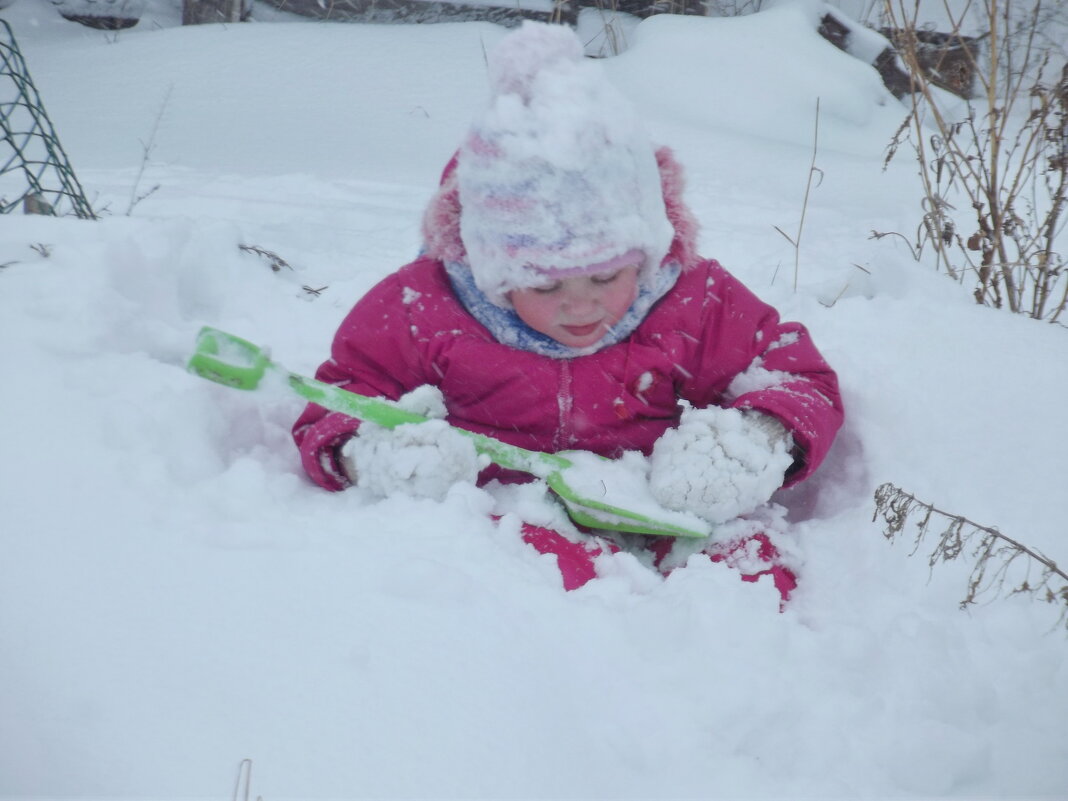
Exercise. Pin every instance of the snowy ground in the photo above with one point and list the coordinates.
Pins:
(175, 596)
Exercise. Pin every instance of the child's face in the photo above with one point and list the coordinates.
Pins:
(578, 310)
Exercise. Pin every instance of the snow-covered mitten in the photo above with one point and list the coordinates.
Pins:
(720, 463)
(420, 460)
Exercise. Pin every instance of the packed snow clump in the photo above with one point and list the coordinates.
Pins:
(417, 460)
(719, 463)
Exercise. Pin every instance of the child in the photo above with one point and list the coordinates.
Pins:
(560, 304)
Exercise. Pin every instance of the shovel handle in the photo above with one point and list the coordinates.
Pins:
(234, 362)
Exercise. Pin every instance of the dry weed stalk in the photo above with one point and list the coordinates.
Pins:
(994, 181)
(993, 553)
(812, 171)
(276, 262)
(146, 152)
(613, 34)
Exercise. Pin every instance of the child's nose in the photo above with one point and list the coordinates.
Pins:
(580, 300)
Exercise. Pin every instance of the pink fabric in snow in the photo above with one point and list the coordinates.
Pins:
(575, 560)
(784, 578)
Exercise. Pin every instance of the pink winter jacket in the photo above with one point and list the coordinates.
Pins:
(708, 341)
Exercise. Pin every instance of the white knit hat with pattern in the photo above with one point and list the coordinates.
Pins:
(558, 177)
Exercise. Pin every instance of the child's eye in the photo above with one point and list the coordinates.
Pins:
(606, 278)
(546, 289)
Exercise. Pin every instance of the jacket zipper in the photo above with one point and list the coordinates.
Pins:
(564, 402)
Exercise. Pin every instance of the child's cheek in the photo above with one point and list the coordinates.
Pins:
(621, 299)
(537, 310)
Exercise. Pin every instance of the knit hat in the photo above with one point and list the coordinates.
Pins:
(557, 177)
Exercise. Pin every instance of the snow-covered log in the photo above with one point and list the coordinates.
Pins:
(946, 59)
(108, 15)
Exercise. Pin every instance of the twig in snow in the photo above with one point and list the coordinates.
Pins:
(146, 151)
(243, 786)
(812, 170)
(880, 234)
(276, 261)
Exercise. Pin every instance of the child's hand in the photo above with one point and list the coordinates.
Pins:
(420, 460)
(720, 463)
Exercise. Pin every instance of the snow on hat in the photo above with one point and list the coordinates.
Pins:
(557, 177)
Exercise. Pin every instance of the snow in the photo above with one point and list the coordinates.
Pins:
(756, 377)
(175, 596)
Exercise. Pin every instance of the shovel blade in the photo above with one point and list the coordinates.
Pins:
(228, 360)
(616, 519)
(611, 494)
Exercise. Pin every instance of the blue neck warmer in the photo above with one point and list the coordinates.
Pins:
(508, 329)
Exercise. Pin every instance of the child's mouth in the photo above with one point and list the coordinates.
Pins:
(582, 330)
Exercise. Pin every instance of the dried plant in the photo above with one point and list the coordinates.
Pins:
(276, 262)
(813, 170)
(994, 175)
(1001, 565)
(146, 152)
(614, 42)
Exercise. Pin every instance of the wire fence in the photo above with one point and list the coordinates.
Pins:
(36, 176)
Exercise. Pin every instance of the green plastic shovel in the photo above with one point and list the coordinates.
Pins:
(597, 492)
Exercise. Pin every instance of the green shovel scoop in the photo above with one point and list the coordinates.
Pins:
(597, 492)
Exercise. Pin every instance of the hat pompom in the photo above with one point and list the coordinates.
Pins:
(530, 52)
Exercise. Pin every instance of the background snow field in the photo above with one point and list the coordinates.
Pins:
(175, 595)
